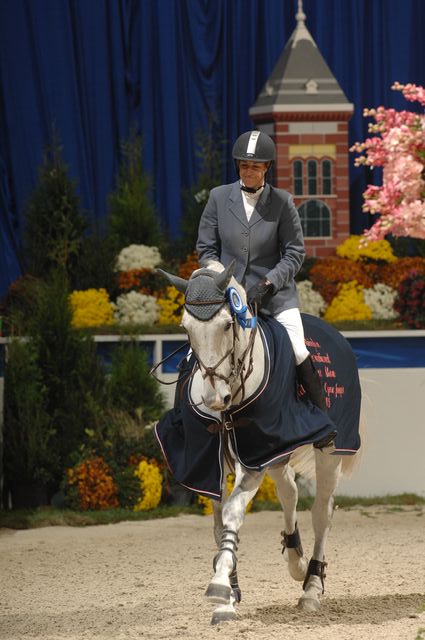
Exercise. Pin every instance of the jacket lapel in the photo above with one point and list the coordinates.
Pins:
(262, 206)
(236, 206)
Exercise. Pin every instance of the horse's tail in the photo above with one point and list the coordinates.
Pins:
(350, 464)
(302, 460)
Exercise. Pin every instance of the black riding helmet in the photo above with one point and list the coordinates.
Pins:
(256, 146)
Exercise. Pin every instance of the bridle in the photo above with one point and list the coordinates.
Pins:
(244, 366)
(241, 368)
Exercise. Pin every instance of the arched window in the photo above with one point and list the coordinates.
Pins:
(315, 219)
(312, 177)
(298, 177)
(326, 177)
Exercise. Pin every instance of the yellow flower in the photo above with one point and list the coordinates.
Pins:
(171, 306)
(267, 491)
(150, 478)
(349, 304)
(356, 249)
(91, 308)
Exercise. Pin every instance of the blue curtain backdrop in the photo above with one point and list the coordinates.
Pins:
(96, 68)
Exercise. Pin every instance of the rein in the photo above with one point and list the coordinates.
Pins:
(170, 355)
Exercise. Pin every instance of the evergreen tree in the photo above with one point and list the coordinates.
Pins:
(54, 223)
(209, 153)
(131, 387)
(132, 216)
(71, 371)
(95, 266)
(29, 454)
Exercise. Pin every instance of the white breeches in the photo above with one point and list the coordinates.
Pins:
(291, 320)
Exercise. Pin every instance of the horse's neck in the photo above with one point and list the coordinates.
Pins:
(253, 364)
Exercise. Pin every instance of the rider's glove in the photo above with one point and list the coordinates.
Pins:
(256, 293)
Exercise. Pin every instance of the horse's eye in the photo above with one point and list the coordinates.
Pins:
(228, 325)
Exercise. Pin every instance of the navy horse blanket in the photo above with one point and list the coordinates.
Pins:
(271, 424)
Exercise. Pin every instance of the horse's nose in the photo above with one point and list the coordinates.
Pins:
(227, 398)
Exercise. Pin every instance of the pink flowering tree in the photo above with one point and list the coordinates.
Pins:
(398, 146)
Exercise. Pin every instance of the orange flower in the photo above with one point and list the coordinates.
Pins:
(188, 267)
(129, 279)
(393, 274)
(95, 484)
(329, 273)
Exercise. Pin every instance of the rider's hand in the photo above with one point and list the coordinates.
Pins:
(256, 293)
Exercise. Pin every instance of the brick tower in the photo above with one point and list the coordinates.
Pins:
(303, 108)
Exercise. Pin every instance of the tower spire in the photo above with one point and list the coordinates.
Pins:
(301, 32)
(300, 17)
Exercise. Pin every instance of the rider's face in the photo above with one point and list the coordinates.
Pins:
(252, 173)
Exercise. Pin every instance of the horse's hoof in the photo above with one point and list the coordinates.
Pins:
(308, 604)
(223, 616)
(218, 593)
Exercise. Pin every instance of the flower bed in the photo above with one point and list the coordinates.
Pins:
(362, 282)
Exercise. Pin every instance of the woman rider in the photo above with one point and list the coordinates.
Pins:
(258, 226)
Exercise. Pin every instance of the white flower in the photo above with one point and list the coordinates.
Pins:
(201, 196)
(311, 301)
(138, 256)
(380, 299)
(136, 308)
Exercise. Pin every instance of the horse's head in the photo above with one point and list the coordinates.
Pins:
(211, 328)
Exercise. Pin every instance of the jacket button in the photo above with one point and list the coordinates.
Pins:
(246, 233)
(244, 249)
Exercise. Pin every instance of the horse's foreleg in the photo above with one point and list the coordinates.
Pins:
(222, 585)
(218, 520)
(287, 492)
(224, 612)
(328, 469)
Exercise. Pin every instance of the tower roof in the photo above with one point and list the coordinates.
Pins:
(301, 80)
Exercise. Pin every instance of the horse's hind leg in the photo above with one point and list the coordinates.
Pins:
(328, 469)
(221, 589)
(287, 492)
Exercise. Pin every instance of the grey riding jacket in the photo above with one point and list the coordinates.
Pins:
(270, 245)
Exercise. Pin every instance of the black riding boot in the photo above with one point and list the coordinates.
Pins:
(309, 378)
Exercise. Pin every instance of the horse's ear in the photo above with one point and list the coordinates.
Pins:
(179, 283)
(222, 279)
